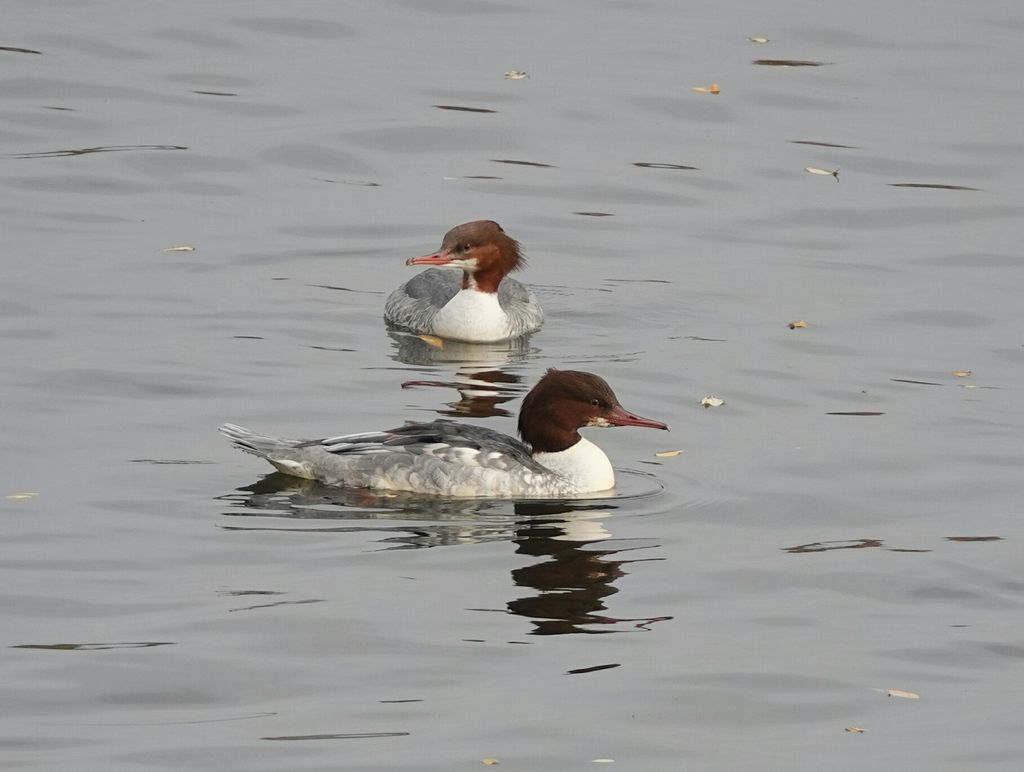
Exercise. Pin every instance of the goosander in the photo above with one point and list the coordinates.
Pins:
(454, 459)
(483, 304)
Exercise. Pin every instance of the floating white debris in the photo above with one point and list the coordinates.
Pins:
(516, 75)
(712, 402)
(824, 172)
(182, 248)
(899, 693)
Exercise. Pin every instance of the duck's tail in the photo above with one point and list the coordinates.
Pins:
(251, 442)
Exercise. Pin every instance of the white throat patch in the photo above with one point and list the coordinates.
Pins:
(584, 464)
(472, 316)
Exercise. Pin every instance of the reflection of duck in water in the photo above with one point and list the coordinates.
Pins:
(453, 459)
(480, 305)
(414, 349)
(573, 584)
(480, 393)
(480, 380)
(567, 588)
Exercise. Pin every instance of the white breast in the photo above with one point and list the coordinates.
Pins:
(584, 464)
(472, 316)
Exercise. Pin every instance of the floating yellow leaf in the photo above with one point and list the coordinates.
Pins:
(855, 730)
(798, 324)
(758, 40)
(21, 495)
(825, 172)
(602, 761)
(712, 402)
(899, 693)
(432, 340)
(490, 762)
(516, 75)
(962, 373)
(182, 248)
(668, 453)
(711, 89)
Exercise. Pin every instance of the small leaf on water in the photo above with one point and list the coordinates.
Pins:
(855, 730)
(516, 75)
(824, 172)
(899, 693)
(602, 761)
(668, 453)
(182, 248)
(710, 89)
(432, 340)
(490, 762)
(20, 495)
(712, 402)
(962, 373)
(758, 40)
(798, 324)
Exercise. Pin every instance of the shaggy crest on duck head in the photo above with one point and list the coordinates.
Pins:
(483, 251)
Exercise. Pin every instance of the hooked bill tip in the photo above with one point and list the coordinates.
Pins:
(438, 258)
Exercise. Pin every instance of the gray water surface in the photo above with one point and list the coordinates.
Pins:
(847, 523)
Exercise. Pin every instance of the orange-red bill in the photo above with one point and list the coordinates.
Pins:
(622, 417)
(438, 258)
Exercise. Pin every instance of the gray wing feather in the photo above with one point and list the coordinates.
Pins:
(419, 437)
(510, 292)
(524, 312)
(413, 305)
(434, 285)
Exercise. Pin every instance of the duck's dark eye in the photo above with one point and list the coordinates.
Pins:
(466, 247)
(595, 402)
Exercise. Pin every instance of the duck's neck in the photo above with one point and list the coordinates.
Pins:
(483, 279)
(583, 463)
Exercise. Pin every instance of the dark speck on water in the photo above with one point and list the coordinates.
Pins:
(788, 63)
(521, 163)
(653, 165)
(88, 150)
(464, 109)
(821, 144)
